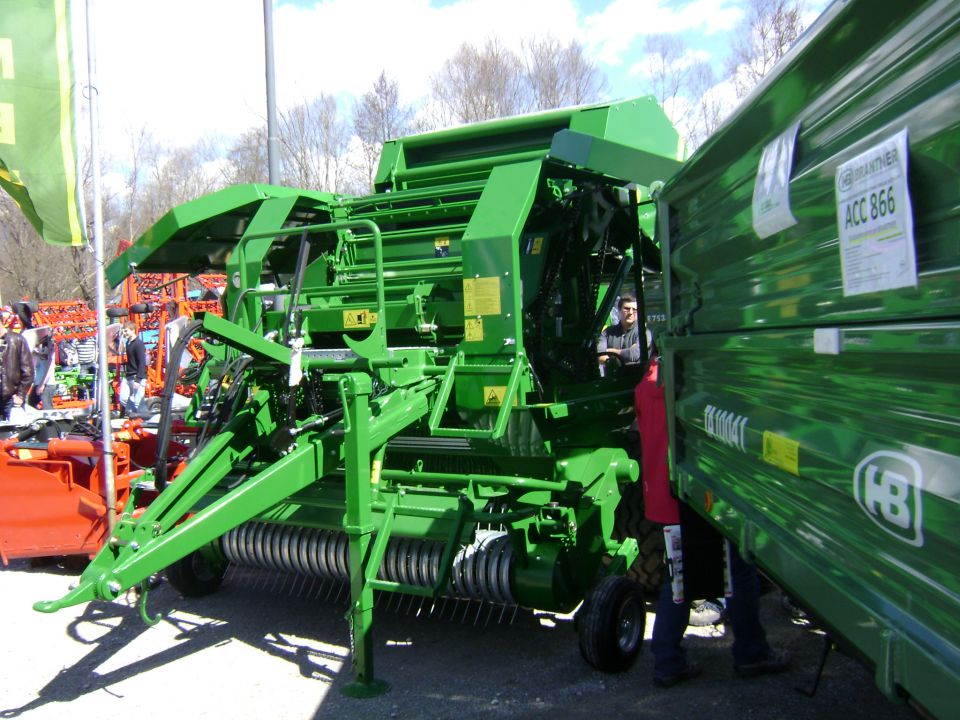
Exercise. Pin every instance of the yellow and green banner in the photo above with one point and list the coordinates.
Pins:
(38, 161)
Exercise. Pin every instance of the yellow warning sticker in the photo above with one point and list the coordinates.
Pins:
(493, 395)
(353, 319)
(537, 246)
(473, 329)
(782, 452)
(375, 467)
(481, 296)
(441, 242)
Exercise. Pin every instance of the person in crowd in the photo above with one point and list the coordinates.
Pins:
(44, 367)
(752, 655)
(622, 340)
(133, 385)
(69, 357)
(16, 368)
(87, 356)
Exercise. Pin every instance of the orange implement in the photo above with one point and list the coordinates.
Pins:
(52, 498)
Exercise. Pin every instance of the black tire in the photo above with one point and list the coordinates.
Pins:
(152, 405)
(195, 576)
(611, 624)
(142, 308)
(647, 570)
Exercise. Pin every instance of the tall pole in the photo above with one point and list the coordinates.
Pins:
(103, 388)
(273, 161)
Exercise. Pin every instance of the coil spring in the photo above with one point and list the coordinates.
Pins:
(481, 570)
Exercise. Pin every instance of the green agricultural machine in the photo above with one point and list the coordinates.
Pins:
(404, 391)
(812, 277)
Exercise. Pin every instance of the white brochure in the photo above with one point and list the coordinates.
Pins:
(771, 192)
(875, 219)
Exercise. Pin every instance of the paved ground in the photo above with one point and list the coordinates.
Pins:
(266, 647)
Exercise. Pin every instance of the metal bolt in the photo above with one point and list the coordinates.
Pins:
(114, 587)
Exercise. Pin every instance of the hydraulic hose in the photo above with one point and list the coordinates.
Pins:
(166, 401)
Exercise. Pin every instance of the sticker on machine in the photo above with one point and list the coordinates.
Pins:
(875, 219)
(493, 395)
(473, 329)
(356, 319)
(771, 191)
(481, 296)
(782, 452)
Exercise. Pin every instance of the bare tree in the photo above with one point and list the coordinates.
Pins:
(558, 75)
(246, 160)
(314, 141)
(35, 270)
(669, 72)
(379, 116)
(479, 84)
(768, 30)
(708, 109)
(158, 180)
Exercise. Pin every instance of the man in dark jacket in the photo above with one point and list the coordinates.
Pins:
(622, 340)
(134, 382)
(16, 367)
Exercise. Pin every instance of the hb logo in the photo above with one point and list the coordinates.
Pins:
(887, 486)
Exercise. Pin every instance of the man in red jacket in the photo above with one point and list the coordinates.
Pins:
(752, 655)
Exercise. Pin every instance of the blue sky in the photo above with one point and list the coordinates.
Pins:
(185, 69)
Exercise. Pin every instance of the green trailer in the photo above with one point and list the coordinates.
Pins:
(812, 279)
(404, 392)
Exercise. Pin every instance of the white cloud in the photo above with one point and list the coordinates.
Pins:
(689, 58)
(192, 68)
(188, 69)
(612, 31)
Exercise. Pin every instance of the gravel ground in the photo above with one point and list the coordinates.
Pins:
(265, 645)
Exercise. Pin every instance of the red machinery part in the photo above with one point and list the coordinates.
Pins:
(52, 499)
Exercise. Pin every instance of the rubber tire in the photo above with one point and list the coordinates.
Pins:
(606, 642)
(152, 405)
(195, 576)
(647, 570)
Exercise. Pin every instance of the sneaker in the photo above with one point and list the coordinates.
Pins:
(704, 613)
(776, 662)
(689, 671)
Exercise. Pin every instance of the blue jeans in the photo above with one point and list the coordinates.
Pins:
(743, 609)
(131, 395)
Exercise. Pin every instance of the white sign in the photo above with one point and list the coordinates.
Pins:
(875, 220)
(771, 192)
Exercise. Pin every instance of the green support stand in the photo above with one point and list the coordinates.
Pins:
(356, 388)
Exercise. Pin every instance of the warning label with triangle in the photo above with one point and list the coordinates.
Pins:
(493, 395)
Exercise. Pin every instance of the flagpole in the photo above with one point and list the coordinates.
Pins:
(273, 154)
(103, 399)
